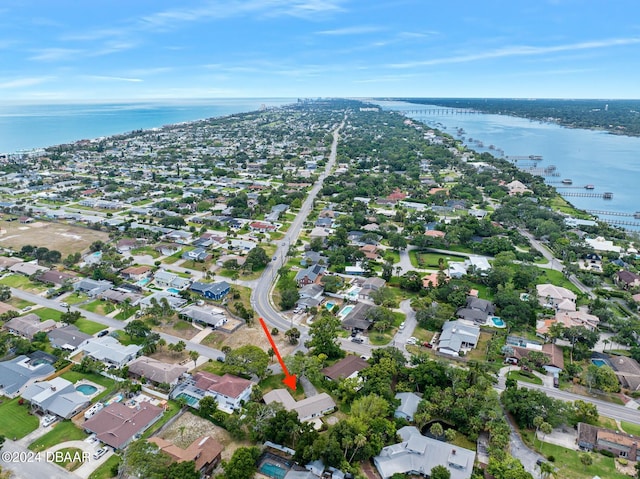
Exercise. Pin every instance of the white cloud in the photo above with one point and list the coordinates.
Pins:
(55, 54)
(112, 78)
(354, 30)
(22, 82)
(520, 50)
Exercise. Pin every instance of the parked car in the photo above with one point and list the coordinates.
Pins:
(103, 333)
(100, 452)
(412, 340)
(357, 340)
(64, 305)
(401, 325)
(427, 344)
(48, 420)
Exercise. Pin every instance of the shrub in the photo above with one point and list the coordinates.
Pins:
(623, 461)
(551, 458)
(606, 453)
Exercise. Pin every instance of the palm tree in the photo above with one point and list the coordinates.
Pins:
(194, 357)
(546, 470)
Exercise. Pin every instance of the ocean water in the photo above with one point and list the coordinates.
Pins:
(609, 162)
(24, 127)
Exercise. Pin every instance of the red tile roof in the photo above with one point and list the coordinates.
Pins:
(227, 385)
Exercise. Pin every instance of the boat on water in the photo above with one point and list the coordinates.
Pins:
(589, 187)
(567, 181)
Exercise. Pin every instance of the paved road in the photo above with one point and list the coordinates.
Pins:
(261, 294)
(114, 323)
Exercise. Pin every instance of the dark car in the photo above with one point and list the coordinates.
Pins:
(220, 359)
(103, 333)
(357, 340)
(539, 462)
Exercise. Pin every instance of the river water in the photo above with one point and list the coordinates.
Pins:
(609, 162)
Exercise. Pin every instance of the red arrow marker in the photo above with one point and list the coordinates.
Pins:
(289, 379)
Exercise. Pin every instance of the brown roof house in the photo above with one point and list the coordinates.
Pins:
(349, 367)
(55, 277)
(156, 371)
(592, 438)
(29, 325)
(231, 392)
(205, 451)
(117, 424)
(627, 279)
(627, 370)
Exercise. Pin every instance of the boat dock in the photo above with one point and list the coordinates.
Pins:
(635, 215)
(605, 196)
(623, 223)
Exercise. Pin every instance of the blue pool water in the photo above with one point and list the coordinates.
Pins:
(191, 401)
(143, 281)
(599, 362)
(173, 290)
(329, 306)
(346, 310)
(497, 322)
(86, 389)
(273, 470)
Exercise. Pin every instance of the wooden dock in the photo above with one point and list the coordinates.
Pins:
(622, 223)
(605, 196)
(635, 215)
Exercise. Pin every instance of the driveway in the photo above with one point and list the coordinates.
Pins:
(90, 465)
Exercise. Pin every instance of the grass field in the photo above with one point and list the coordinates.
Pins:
(22, 282)
(55, 236)
(99, 307)
(89, 327)
(556, 278)
(518, 376)
(60, 432)
(48, 313)
(104, 471)
(432, 260)
(630, 428)
(19, 303)
(16, 420)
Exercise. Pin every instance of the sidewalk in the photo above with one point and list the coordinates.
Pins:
(201, 335)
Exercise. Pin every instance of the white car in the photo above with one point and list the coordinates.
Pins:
(401, 325)
(100, 452)
(48, 420)
(412, 340)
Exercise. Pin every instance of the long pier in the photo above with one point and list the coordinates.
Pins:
(542, 171)
(443, 111)
(523, 158)
(610, 221)
(636, 215)
(605, 196)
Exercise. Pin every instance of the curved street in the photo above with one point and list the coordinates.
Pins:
(261, 294)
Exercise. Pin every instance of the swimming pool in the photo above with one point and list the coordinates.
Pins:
(144, 281)
(173, 291)
(345, 311)
(273, 470)
(329, 306)
(117, 398)
(86, 389)
(599, 362)
(497, 322)
(353, 292)
(191, 401)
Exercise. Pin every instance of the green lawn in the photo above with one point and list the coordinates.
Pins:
(518, 376)
(380, 338)
(16, 281)
(75, 298)
(630, 428)
(19, 303)
(123, 315)
(556, 278)
(104, 471)
(125, 339)
(48, 313)
(569, 466)
(146, 250)
(16, 420)
(109, 384)
(89, 327)
(172, 409)
(432, 260)
(275, 382)
(99, 307)
(60, 432)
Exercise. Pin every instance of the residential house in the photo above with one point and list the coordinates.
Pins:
(307, 409)
(594, 438)
(457, 337)
(27, 269)
(476, 310)
(156, 371)
(627, 279)
(211, 316)
(479, 264)
(167, 249)
(556, 297)
(68, 337)
(517, 188)
(29, 325)
(21, 371)
(456, 270)
(241, 245)
(346, 368)
(205, 451)
(320, 233)
(554, 362)
(166, 279)
(312, 274)
(262, 227)
(55, 277)
(93, 258)
(179, 236)
(5, 308)
(628, 372)
(313, 257)
(417, 455)
(371, 285)
(120, 295)
(58, 397)
(370, 251)
(230, 392)
(408, 405)
(125, 245)
(136, 273)
(117, 424)
(198, 254)
(91, 287)
(324, 223)
(109, 350)
(356, 319)
(7, 262)
(175, 302)
(215, 291)
(601, 244)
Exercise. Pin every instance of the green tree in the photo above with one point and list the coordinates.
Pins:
(293, 335)
(137, 329)
(70, 317)
(586, 459)
(247, 360)
(243, 463)
(5, 293)
(436, 430)
(324, 334)
(440, 472)
(207, 406)
(288, 298)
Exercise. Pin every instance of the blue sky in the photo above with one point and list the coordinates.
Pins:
(76, 50)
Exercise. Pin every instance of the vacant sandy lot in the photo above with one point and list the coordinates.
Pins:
(248, 335)
(190, 427)
(56, 236)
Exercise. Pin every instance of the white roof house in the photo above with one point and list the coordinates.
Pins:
(57, 396)
(480, 263)
(418, 455)
(457, 336)
(308, 409)
(557, 297)
(110, 350)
